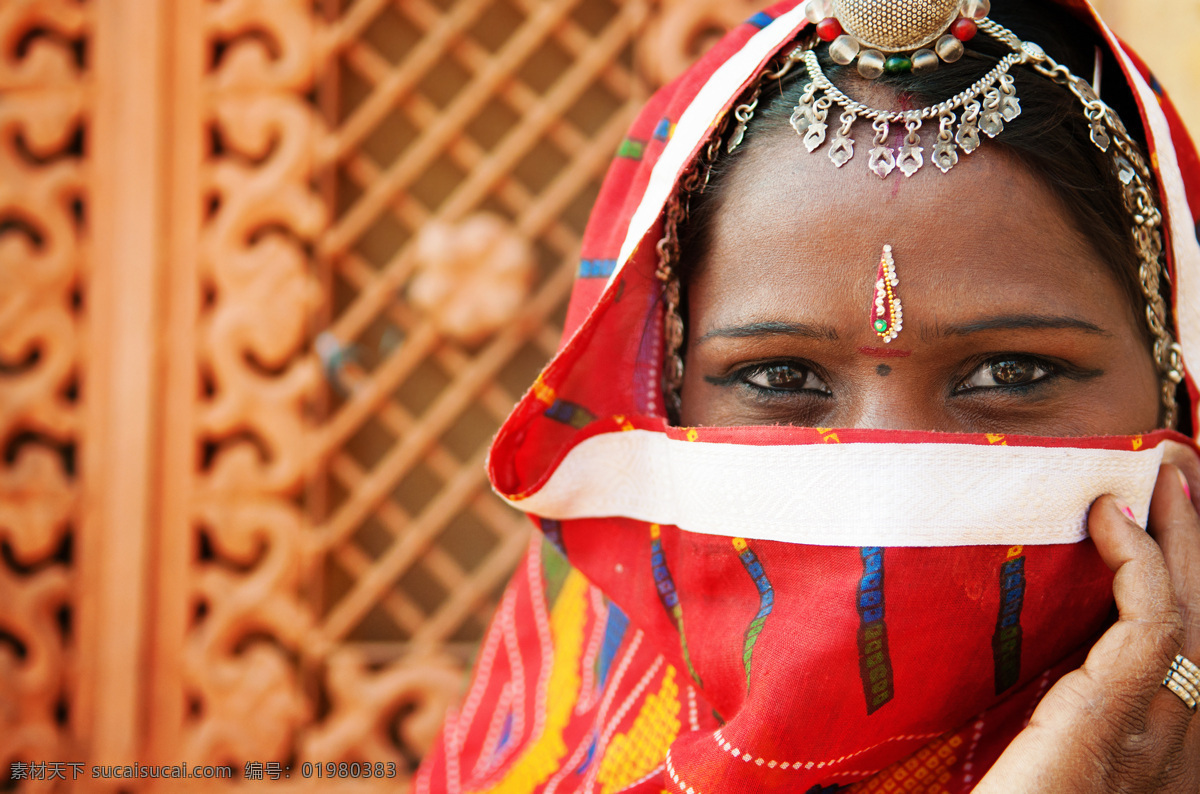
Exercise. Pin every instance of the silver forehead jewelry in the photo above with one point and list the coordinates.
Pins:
(898, 36)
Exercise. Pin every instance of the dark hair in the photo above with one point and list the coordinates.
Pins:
(1051, 137)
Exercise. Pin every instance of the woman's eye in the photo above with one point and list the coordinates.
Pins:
(1001, 372)
(784, 377)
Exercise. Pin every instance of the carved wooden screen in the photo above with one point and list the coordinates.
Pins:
(373, 174)
(439, 113)
(344, 550)
(43, 203)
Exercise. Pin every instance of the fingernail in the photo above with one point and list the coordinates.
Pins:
(1125, 509)
(1187, 491)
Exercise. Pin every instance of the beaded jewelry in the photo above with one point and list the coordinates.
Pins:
(887, 316)
(863, 31)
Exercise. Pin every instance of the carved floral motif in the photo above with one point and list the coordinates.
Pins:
(472, 277)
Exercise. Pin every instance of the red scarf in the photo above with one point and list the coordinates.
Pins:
(719, 609)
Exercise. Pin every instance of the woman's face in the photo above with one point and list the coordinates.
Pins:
(1011, 322)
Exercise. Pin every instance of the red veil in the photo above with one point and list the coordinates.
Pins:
(728, 609)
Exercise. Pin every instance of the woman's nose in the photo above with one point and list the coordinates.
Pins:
(896, 402)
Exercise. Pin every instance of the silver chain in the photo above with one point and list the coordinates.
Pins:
(1137, 180)
(900, 116)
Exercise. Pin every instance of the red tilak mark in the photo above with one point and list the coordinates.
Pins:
(884, 352)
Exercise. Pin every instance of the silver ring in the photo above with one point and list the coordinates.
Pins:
(1183, 678)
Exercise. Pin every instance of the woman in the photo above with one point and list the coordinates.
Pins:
(843, 455)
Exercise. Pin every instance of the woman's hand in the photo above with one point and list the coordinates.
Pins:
(1111, 726)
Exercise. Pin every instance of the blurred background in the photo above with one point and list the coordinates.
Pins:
(272, 272)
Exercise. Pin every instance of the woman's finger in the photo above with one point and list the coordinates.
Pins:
(1134, 654)
(1175, 524)
(1186, 460)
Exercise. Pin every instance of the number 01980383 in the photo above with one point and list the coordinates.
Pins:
(348, 769)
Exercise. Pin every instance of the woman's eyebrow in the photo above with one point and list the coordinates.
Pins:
(771, 329)
(1017, 322)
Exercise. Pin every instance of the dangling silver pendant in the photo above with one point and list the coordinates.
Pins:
(968, 133)
(803, 115)
(815, 135)
(882, 162)
(842, 149)
(1100, 136)
(801, 119)
(1124, 170)
(735, 140)
(945, 153)
(1010, 105)
(992, 123)
(911, 158)
(843, 145)
(967, 137)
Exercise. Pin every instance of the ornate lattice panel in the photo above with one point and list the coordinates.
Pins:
(467, 142)
(43, 201)
(393, 195)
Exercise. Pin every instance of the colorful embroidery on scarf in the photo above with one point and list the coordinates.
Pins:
(874, 660)
(631, 149)
(614, 634)
(1006, 642)
(508, 719)
(552, 529)
(639, 751)
(591, 754)
(766, 600)
(591, 688)
(555, 570)
(496, 746)
(570, 414)
(664, 130)
(926, 771)
(760, 20)
(544, 755)
(597, 268)
(668, 595)
(634, 697)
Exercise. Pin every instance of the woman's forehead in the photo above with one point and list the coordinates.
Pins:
(791, 226)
